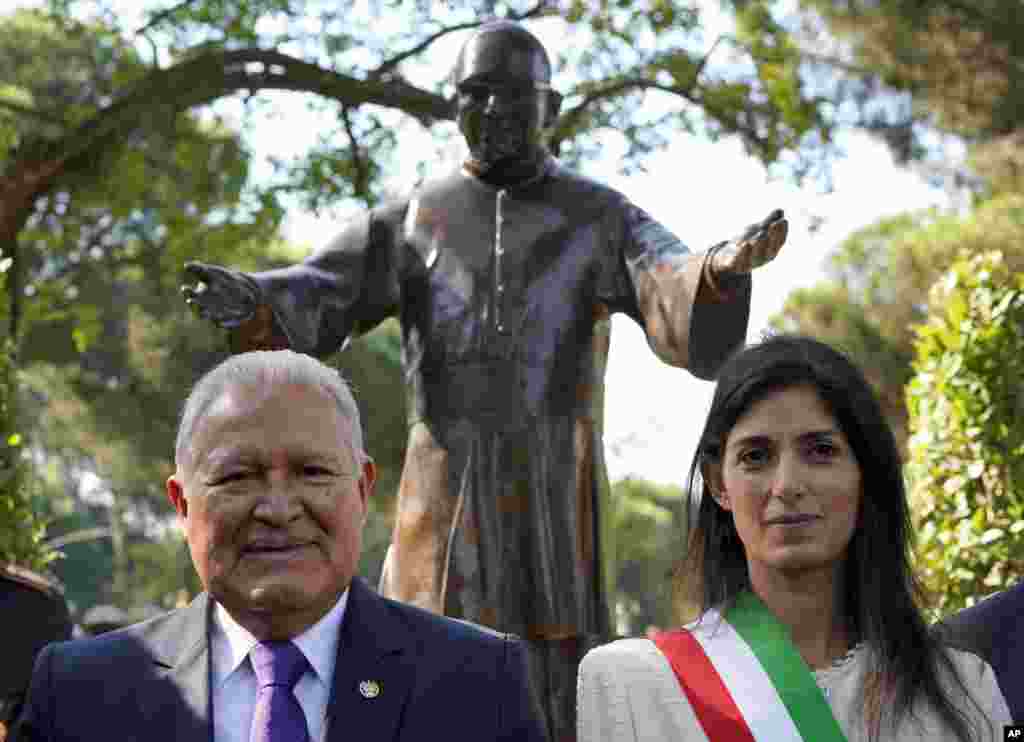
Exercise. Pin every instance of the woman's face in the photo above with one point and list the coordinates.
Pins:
(790, 479)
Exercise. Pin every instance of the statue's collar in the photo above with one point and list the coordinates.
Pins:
(547, 166)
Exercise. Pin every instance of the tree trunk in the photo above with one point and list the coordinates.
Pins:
(119, 584)
(18, 193)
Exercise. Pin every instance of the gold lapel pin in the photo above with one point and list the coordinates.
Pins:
(369, 689)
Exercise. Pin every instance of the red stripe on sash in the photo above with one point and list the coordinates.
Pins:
(708, 696)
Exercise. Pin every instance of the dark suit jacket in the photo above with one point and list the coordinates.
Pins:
(439, 678)
(994, 629)
(34, 614)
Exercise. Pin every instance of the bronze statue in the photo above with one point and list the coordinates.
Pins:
(503, 274)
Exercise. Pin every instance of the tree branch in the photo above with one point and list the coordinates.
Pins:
(362, 181)
(622, 86)
(836, 63)
(704, 60)
(162, 16)
(205, 77)
(388, 65)
(215, 73)
(538, 9)
(32, 113)
(989, 23)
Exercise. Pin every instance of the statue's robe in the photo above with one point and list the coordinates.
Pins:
(504, 298)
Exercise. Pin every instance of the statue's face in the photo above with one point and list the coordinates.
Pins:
(503, 98)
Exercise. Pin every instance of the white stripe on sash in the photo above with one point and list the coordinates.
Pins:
(748, 683)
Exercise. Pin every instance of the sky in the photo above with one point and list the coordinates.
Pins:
(704, 192)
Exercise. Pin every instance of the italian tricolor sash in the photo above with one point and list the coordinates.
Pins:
(745, 680)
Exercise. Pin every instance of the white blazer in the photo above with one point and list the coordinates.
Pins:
(628, 692)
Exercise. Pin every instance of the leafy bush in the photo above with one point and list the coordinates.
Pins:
(649, 538)
(22, 529)
(966, 404)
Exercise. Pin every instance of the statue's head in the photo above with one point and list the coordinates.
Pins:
(504, 99)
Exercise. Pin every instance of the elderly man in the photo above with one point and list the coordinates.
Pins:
(271, 488)
(503, 274)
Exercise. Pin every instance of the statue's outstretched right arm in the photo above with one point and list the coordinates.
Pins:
(312, 307)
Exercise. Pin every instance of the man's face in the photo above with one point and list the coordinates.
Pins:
(273, 504)
(503, 103)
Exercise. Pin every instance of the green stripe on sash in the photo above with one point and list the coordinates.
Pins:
(792, 678)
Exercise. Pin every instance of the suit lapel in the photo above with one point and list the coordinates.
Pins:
(176, 697)
(373, 675)
(374, 670)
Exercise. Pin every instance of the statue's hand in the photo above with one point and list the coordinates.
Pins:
(221, 295)
(759, 244)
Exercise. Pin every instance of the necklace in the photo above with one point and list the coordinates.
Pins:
(823, 676)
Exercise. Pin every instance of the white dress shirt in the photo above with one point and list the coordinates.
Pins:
(234, 682)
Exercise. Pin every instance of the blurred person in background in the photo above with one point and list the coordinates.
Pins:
(33, 613)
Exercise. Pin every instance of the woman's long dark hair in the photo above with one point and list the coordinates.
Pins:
(882, 593)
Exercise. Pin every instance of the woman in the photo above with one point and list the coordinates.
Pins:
(799, 563)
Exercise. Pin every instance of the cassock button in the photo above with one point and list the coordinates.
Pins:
(369, 689)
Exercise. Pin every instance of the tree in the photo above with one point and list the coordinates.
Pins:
(918, 69)
(94, 273)
(22, 527)
(108, 350)
(649, 526)
(957, 58)
(858, 311)
(953, 64)
(878, 284)
(967, 452)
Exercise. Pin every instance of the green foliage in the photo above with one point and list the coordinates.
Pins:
(372, 366)
(162, 572)
(750, 81)
(957, 59)
(878, 283)
(109, 350)
(952, 64)
(22, 527)
(832, 313)
(966, 402)
(649, 536)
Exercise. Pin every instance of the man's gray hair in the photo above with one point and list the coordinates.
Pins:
(261, 367)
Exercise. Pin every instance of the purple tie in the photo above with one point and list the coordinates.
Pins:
(278, 716)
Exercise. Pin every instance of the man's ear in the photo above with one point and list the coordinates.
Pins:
(176, 494)
(368, 480)
(553, 109)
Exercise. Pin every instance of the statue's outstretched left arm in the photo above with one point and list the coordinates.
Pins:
(694, 307)
(757, 246)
